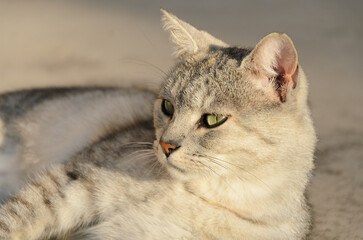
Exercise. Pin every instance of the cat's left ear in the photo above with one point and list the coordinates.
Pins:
(274, 64)
(188, 40)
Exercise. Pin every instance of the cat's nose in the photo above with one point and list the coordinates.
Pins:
(167, 148)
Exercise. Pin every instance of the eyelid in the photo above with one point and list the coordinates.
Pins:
(167, 99)
(214, 113)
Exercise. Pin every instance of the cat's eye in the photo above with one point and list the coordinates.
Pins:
(167, 108)
(213, 120)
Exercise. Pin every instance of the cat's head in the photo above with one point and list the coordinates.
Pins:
(228, 110)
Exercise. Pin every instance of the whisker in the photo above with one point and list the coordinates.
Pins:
(145, 63)
(205, 165)
(218, 162)
(137, 144)
(138, 154)
(220, 176)
(152, 167)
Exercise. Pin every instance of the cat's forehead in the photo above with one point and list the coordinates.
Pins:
(212, 82)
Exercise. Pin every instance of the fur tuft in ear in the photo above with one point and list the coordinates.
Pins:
(188, 40)
(274, 58)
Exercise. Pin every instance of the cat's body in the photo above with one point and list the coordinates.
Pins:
(228, 157)
(44, 127)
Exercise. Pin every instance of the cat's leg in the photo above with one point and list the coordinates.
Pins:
(54, 204)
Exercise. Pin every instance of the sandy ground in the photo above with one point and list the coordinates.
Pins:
(62, 43)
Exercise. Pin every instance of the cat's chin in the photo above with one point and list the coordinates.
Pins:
(179, 173)
(174, 170)
(173, 166)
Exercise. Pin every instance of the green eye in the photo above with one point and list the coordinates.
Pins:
(167, 108)
(212, 120)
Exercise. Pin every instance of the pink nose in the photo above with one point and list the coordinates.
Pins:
(167, 148)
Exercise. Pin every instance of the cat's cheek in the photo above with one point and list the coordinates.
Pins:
(159, 119)
(158, 133)
(160, 126)
(159, 152)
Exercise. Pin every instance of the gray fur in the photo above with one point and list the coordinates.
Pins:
(43, 127)
(244, 179)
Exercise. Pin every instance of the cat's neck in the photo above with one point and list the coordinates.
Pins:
(246, 199)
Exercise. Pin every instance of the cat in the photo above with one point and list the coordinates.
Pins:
(227, 155)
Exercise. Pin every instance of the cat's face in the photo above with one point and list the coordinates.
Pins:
(224, 111)
(208, 110)
(196, 114)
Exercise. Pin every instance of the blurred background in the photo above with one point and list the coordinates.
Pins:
(121, 43)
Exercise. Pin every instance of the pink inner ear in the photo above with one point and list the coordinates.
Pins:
(275, 58)
(287, 64)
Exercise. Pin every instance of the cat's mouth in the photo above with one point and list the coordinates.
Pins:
(174, 166)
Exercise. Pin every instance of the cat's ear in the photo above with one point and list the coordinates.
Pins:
(274, 64)
(188, 40)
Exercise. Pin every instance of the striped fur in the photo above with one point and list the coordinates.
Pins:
(47, 126)
(244, 179)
